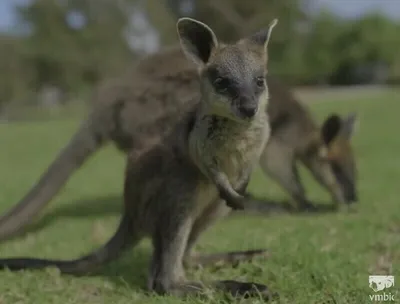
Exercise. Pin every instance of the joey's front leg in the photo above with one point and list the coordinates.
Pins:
(232, 198)
(244, 181)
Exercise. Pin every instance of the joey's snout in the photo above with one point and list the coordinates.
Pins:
(248, 110)
(247, 107)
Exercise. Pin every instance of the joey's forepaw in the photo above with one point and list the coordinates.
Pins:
(248, 289)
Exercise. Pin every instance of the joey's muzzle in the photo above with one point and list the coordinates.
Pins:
(247, 107)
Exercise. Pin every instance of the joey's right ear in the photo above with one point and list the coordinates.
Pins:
(197, 40)
(262, 37)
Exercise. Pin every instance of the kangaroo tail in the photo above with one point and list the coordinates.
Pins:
(83, 144)
(122, 239)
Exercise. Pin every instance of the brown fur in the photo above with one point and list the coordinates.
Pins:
(135, 109)
(170, 190)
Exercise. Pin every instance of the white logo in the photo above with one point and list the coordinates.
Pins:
(380, 282)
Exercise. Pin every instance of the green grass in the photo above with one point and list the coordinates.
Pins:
(314, 258)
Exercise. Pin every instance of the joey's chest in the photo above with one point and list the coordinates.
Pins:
(229, 147)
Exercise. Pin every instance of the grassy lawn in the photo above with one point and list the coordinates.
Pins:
(314, 258)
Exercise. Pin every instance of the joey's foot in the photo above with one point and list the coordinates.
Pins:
(247, 289)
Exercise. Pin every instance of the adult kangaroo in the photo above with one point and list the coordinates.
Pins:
(134, 110)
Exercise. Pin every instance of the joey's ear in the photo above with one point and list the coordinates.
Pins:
(330, 128)
(197, 40)
(349, 124)
(262, 37)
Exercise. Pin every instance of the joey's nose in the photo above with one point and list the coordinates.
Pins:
(248, 110)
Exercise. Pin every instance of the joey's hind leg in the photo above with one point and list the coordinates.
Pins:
(167, 277)
(169, 242)
(212, 213)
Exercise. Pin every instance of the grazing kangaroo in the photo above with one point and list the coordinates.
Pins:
(136, 109)
(172, 189)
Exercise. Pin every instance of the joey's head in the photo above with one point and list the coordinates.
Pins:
(336, 133)
(232, 76)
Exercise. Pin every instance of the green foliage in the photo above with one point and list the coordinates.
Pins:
(319, 56)
(73, 44)
(69, 55)
(372, 39)
(15, 73)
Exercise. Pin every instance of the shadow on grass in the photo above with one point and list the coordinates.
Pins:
(86, 208)
(112, 205)
(263, 206)
(131, 269)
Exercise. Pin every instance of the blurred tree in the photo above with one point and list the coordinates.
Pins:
(15, 74)
(235, 18)
(162, 15)
(74, 43)
(368, 45)
(69, 45)
(320, 57)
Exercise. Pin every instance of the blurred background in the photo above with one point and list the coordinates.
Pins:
(52, 52)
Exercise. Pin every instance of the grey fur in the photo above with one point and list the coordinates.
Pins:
(170, 189)
(136, 109)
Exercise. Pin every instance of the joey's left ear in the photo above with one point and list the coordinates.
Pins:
(262, 37)
(349, 125)
(197, 40)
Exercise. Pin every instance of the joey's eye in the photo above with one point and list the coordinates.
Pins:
(221, 84)
(260, 81)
